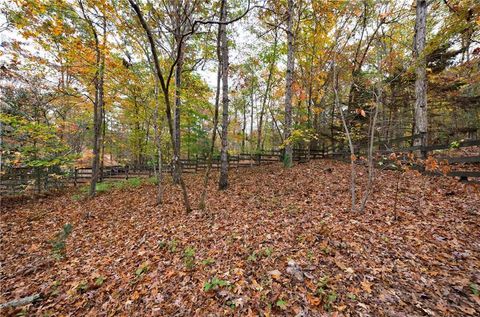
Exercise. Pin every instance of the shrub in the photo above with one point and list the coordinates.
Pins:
(59, 243)
(189, 258)
(215, 283)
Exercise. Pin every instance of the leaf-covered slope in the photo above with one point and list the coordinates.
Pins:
(277, 242)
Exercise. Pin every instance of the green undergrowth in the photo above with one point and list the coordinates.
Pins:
(108, 186)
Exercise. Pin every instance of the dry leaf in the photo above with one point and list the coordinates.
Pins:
(366, 286)
(275, 274)
(313, 300)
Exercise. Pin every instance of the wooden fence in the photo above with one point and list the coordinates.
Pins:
(194, 165)
(36, 179)
(386, 148)
(20, 180)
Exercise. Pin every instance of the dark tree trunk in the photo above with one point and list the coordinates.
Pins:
(215, 125)
(178, 86)
(267, 91)
(421, 122)
(244, 126)
(288, 87)
(164, 87)
(223, 182)
(98, 104)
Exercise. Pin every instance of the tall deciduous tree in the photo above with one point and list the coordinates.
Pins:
(215, 121)
(223, 181)
(100, 42)
(164, 85)
(288, 85)
(266, 94)
(180, 14)
(421, 119)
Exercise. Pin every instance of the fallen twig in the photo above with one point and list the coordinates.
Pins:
(21, 301)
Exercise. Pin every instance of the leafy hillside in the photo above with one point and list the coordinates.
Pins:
(276, 243)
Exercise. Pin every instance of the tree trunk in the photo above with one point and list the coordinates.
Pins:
(252, 102)
(158, 142)
(244, 126)
(371, 131)
(215, 124)
(287, 160)
(421, 122)
(223, 182)
(102, 149)
(347, 133)
(178, 87)
(97, 129)
(166, 97)
(98, 101)
(267, 92)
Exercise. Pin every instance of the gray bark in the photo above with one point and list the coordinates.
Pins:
(347, 133)
(178, 102)
(371, 135)
(421, 123)
(288, 87)
(252, 103)
(166, 97)
(223, 182)
(158, 144)
(267, 91)
(215, 125)
(244, 126)
(22, 301)
(98, 100)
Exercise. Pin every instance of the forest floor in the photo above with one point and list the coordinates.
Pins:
(277, 243)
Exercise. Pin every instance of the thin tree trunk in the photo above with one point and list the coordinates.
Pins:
(223, 182)
(351, 94)
(98, 115)
(287, 161)
(164, 87)
(252, 102)
(102, 152)
(244, 126)
(267, 91)
(421, 123)
(98, 100)
(347, 132)
(178, 87)
(373, 122)
(215, 124)
(158, 143)
(372, 125)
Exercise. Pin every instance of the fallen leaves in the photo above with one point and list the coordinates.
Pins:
(313, 300)
(366, 286)
(275, 274)
(307, 254)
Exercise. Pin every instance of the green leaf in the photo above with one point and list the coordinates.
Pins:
(281, 304)
(99, 280)
(475, 289)
(207, 286)
(141, 269)
(207, 261)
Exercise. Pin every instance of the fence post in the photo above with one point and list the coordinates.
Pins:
(126, 171)
(75, 175)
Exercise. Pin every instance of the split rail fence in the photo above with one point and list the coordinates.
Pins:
(20, 180)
